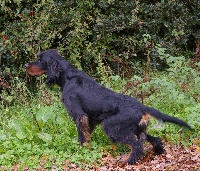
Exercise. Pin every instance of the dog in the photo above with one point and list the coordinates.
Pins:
(123, 118)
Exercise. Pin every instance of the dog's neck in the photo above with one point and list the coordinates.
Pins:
(68, 72)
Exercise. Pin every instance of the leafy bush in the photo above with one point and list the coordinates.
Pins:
(123, 33)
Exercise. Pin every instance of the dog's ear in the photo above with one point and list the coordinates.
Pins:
(53, 71)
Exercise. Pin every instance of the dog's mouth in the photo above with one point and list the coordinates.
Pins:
(34, 70)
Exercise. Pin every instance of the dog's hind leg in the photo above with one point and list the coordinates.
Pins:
(121, 129)
(136, 151)
(157, 144)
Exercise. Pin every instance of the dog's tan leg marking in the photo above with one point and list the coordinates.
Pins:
(123, 160)
(85, 129)
(145, 119)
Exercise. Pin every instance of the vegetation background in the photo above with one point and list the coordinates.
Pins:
(147, 49)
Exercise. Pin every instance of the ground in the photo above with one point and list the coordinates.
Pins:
(175, 158)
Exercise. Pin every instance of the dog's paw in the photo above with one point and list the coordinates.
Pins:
(85, 144)
(126, 161)
(159, 150)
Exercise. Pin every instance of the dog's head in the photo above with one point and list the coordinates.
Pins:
(49, 62)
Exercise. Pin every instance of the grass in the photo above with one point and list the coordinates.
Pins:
(36, 132)
(33, 132)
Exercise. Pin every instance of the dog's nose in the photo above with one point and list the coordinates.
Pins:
(26, 65)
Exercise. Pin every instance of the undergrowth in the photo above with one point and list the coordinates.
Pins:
(39, 128)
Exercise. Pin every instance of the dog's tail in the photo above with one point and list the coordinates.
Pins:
(165, 118)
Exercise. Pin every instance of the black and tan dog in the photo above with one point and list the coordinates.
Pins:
(123, 118)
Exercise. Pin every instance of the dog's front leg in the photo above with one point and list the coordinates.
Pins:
(82, 124)
(79, 116)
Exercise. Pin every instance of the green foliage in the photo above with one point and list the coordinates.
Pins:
(123, 33)
(35, 132)
(178, 93)
(16, 91)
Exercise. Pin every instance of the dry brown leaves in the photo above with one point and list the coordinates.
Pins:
(176, 158)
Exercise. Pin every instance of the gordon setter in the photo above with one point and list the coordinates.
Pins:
(123, 118)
